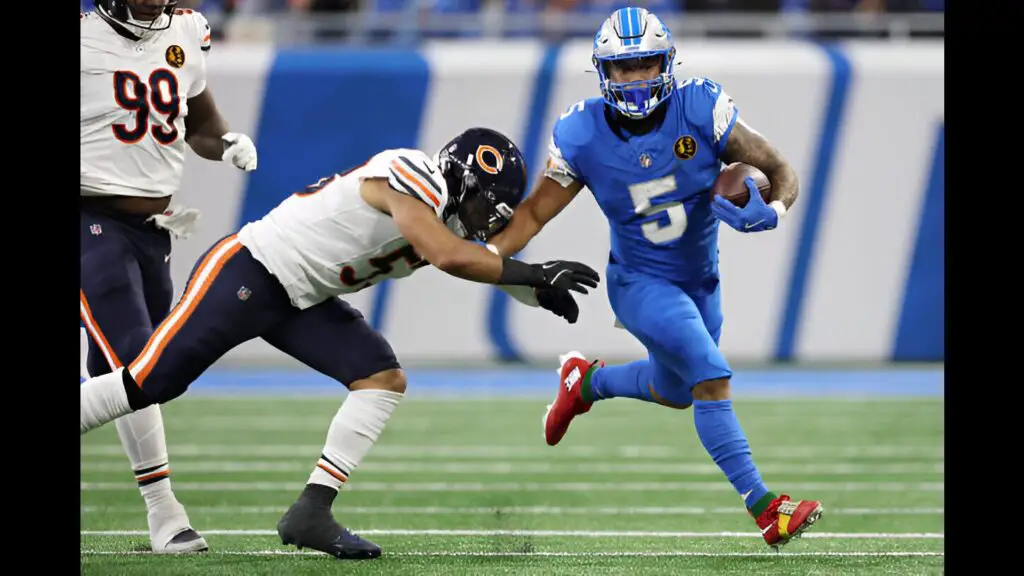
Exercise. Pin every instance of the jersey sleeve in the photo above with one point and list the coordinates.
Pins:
(202, 30)
(413, 173)
(560, 166)
(710, 109)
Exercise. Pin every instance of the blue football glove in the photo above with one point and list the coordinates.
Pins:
(754, 217)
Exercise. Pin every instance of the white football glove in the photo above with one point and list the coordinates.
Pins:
(240, 150)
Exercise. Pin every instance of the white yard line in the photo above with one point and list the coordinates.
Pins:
(425, 451)
(596, 487)
(90, 552)
(524, 510)
(560, 533)
(534, 467)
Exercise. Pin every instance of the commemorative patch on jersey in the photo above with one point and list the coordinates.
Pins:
(175, 56)
(685, 147)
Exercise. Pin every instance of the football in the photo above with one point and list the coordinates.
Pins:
(729, 184)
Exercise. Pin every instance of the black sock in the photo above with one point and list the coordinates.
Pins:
(137, 399)
(319, 495)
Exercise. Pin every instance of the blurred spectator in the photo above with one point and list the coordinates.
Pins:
(404, 21)
(878, 6)
(732, 5)
(331, 32)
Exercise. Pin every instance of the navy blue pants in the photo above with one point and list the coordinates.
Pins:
(230, 299)
(125, 284)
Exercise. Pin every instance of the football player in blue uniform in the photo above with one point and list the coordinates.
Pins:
(649, 150)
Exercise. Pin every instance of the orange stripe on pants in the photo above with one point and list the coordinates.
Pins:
(94, 330)
(200, 282)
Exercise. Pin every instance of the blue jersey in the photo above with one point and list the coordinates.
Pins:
(652, 188)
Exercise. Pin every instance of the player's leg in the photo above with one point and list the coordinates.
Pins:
(142, 432)
(230, 299)
(639, 302)
(334, 339)
(114, 310)
(718, 427)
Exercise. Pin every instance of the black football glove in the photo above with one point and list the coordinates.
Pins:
(560, 302)
(568, 275)
(554, 274)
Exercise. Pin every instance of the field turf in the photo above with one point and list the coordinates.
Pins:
(467, 486)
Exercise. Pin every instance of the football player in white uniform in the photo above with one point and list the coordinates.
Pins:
(143, 98)
(279, 279)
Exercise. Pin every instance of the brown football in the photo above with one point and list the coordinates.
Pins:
(729, 184)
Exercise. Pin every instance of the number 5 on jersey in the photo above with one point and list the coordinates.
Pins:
(160, 93)
(658, 231)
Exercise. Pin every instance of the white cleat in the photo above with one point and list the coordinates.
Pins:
(171, 533)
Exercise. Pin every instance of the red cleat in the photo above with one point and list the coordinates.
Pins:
(785, 519)
(568, 403)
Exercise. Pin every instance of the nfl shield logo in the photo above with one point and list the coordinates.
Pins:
(243, 293)
(645, 160)
(96, 229)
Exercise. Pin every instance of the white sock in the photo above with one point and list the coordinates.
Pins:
(83, 354)
(103, 399)
(354, 430)
(142, 435)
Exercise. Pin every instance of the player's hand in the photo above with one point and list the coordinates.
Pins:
(558, 301)
(567, 275)
(754, 217)
(240, 150)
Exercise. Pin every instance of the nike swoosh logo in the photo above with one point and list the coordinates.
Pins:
(749, 226)
(167, 258)
(766, 529)
(546, 266)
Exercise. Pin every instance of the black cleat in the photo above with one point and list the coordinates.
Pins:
(307, 525)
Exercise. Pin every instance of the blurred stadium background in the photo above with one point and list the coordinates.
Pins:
(834, 321)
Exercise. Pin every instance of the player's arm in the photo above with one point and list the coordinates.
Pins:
(419, 224)
(204, 126)
(748, 146)
(555, 190)
(547, 200)
(206, 131)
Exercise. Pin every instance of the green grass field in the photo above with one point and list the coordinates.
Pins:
(469, 487)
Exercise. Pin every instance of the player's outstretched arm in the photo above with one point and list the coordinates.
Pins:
(748, 146)
(548, 199)
(419, 224)
(206, 132)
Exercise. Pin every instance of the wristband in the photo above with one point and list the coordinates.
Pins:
(514, 272)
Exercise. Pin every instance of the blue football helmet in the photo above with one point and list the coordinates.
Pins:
(629, 39)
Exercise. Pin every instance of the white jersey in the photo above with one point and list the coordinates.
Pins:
(327, 241)
(134, 102)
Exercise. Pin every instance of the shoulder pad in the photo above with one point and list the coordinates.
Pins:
(200, 23)
(415, 174)
(707, 105)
